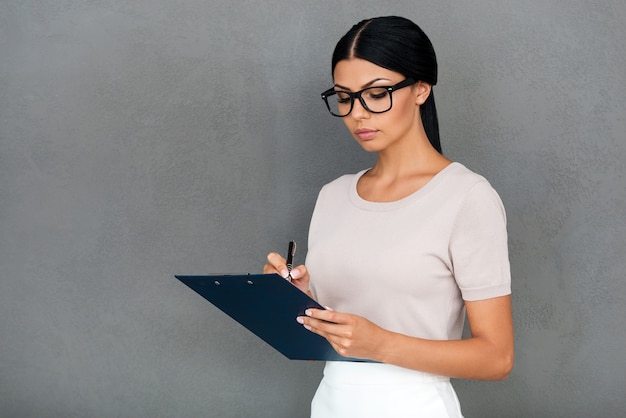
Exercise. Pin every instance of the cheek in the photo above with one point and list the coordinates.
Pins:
(402, 114)
(349, 122)
(406, 107)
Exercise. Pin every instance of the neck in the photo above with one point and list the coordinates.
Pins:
(408, 158)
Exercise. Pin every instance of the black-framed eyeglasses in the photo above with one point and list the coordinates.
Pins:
(374, 99)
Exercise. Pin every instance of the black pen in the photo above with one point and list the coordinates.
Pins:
(290, 253)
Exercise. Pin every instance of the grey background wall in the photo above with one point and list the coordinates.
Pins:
(139, 139)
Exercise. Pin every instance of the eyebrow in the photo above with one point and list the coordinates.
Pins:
(366, 85)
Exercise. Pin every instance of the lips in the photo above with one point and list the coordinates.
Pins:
(365, 134)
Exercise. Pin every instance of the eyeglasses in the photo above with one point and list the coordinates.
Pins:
(374, 99)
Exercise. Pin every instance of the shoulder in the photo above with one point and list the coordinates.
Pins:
(465, 183)
(462, 178)
(467, 193)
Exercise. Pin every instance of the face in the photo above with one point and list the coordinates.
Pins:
(380, 131)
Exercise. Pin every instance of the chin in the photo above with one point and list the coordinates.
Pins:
(369, 146)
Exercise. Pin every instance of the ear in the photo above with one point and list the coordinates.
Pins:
(422, 91)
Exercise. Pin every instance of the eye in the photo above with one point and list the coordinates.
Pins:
(343, 97)
(377, 93)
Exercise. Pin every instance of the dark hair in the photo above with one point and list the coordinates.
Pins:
(399, 45)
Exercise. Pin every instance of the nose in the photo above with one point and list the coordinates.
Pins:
(358, 110)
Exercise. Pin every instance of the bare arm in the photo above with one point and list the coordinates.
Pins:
(486, 355)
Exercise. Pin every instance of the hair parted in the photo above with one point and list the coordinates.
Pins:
(399, 45)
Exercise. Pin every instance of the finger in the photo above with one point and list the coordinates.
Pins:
(328, 330)
(279, 264)
(299, 272)
(326, 315)
(269, 269)
(312, 325)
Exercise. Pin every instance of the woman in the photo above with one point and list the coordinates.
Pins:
(401, 251)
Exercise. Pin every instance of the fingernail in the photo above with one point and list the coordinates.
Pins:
(328, 308)
(308, 312)
(284, 273)
(300, 320)
(295, 274)
(307, 327)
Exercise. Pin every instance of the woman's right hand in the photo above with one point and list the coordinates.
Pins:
(299, 275)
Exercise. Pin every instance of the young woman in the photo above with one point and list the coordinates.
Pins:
(402, 251)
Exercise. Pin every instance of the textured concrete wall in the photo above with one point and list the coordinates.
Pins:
(139, 139)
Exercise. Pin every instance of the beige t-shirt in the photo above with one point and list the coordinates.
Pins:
(407, 265)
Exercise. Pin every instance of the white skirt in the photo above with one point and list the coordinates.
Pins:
(354, 389)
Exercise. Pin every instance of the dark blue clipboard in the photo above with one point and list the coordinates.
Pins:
(267, 305)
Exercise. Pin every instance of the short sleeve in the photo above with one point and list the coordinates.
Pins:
(478, 245)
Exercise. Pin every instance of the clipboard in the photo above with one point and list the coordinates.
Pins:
(267, 305)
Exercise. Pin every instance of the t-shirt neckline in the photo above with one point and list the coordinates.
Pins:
(359, 202)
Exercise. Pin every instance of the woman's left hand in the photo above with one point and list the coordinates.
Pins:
(350, 335)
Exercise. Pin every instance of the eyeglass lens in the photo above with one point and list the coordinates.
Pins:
(377, 100)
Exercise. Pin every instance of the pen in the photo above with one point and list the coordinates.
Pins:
(290, 253)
